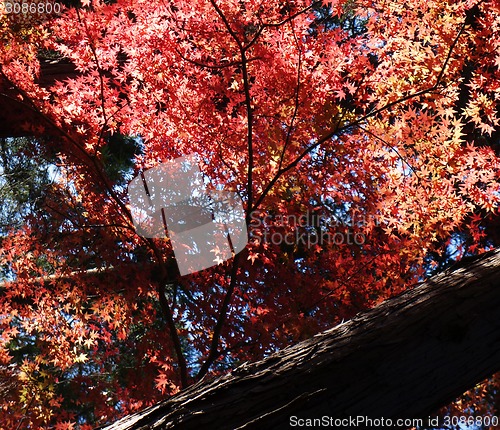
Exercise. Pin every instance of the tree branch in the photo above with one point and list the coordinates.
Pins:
(402, 359)
(248, 104)
(181, 360)
(101, 178)
(296, 102)
(214, 346)
(339, 129)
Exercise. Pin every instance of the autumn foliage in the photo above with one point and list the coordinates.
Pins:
(364, 132)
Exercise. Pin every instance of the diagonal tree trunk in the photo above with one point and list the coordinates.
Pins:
(17, 116)
(402, 359)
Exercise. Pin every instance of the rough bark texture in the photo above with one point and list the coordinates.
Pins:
(404, 358)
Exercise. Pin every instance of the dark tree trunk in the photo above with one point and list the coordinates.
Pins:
(18, 117)
(402, 359)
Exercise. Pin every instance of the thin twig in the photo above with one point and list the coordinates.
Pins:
(391, 147)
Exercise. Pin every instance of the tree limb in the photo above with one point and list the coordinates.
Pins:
(403, 359)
